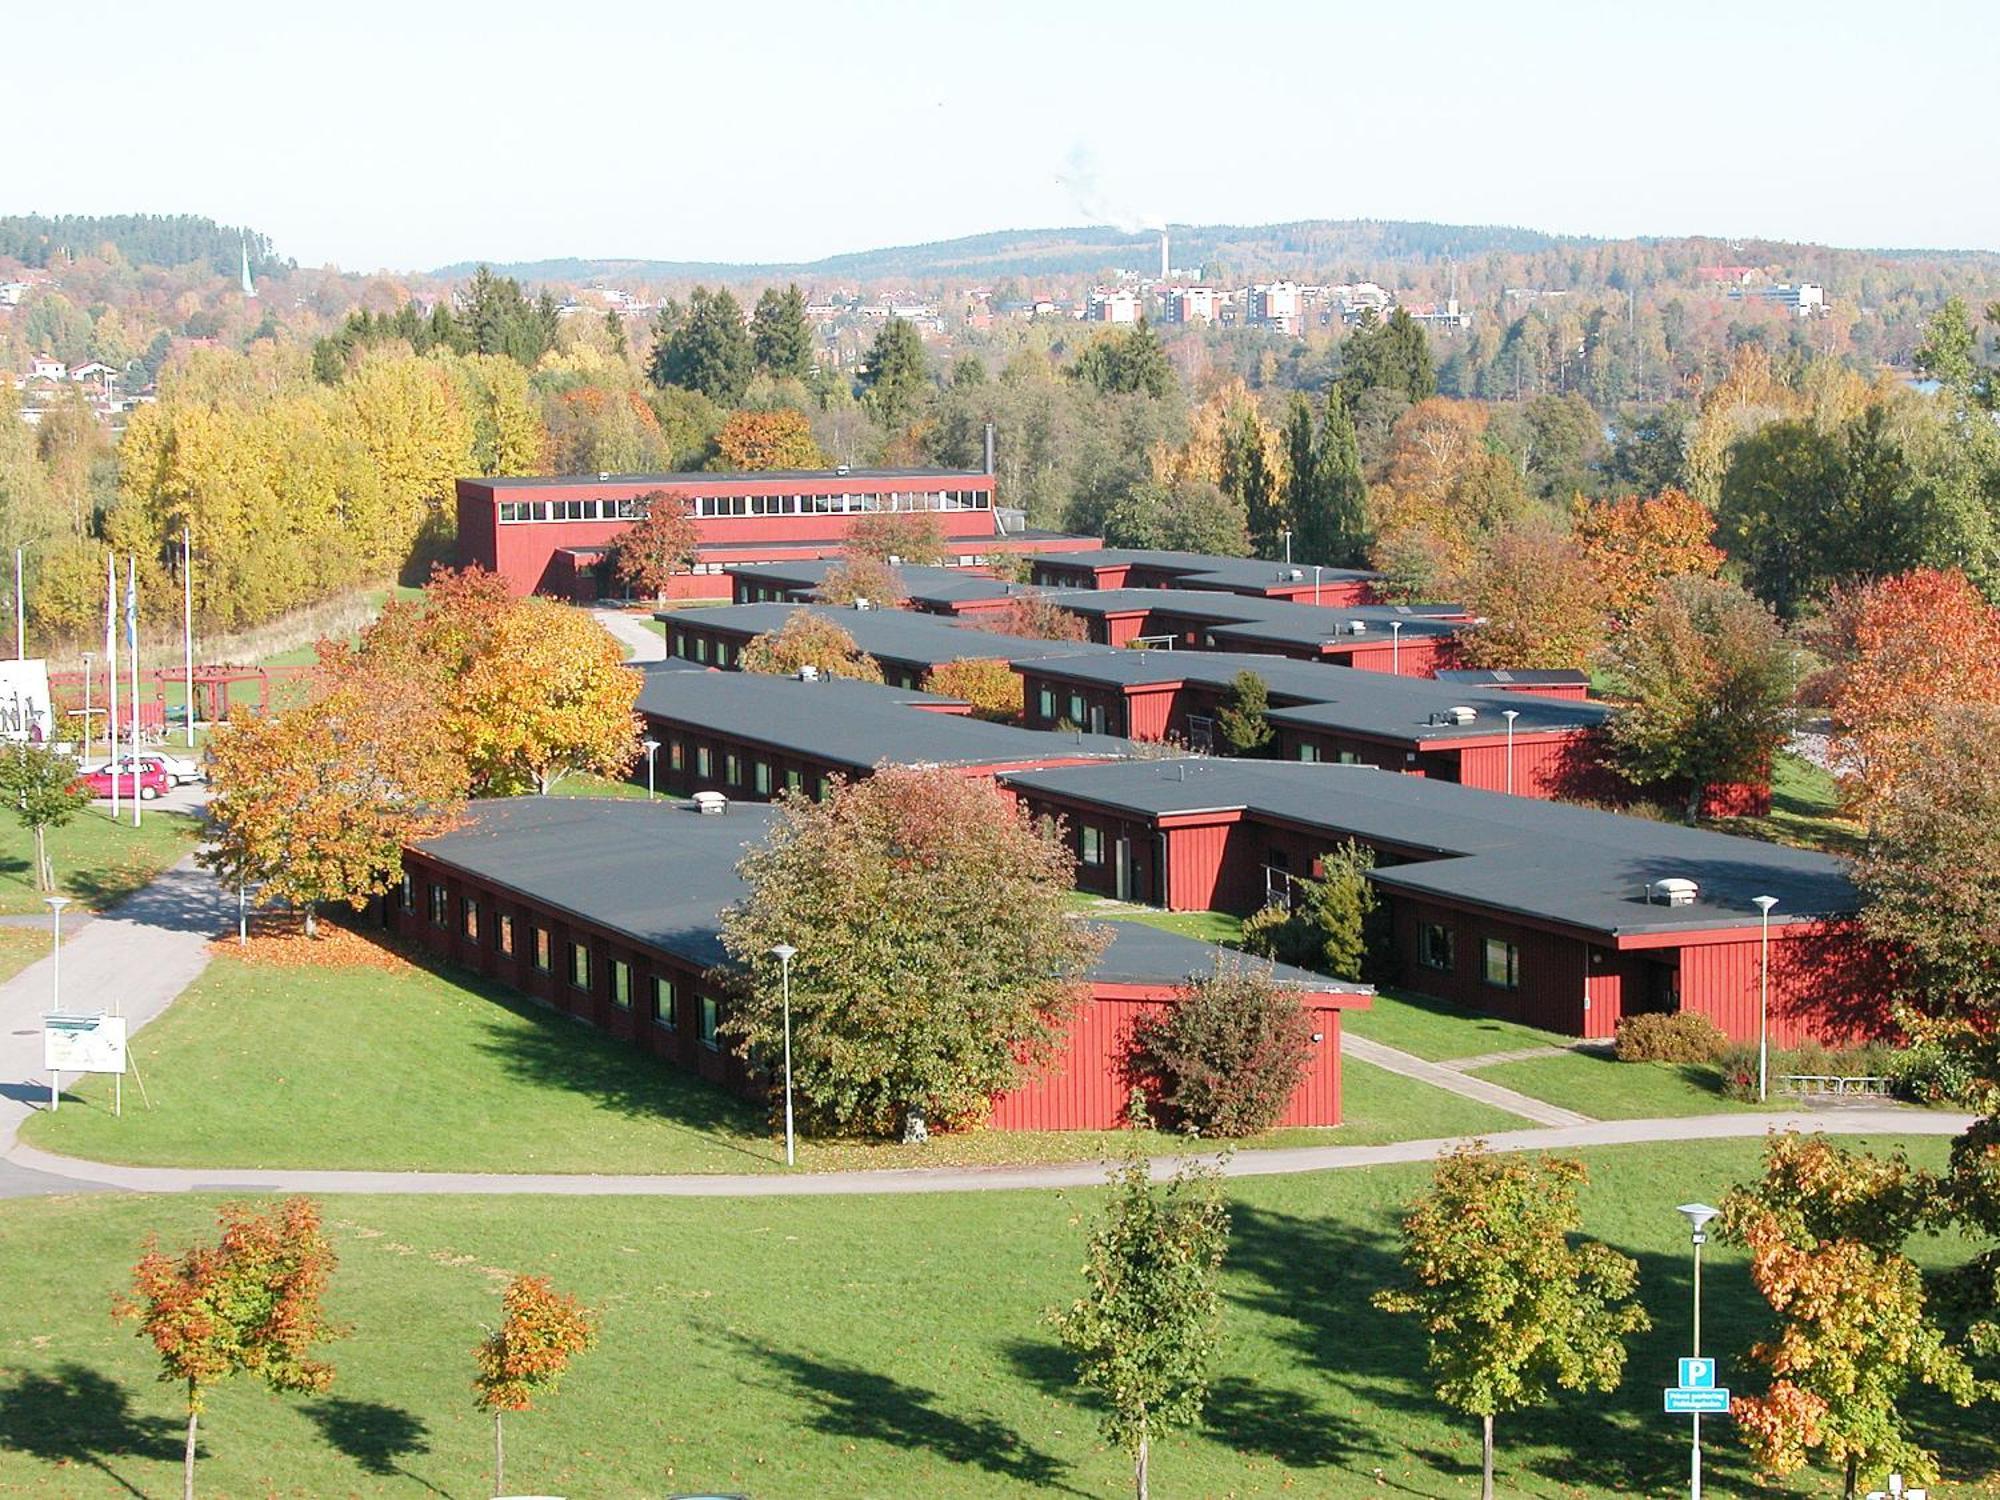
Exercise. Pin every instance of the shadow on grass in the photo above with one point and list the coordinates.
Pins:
(374, 1434)
(848, 1401)
(72, 1415)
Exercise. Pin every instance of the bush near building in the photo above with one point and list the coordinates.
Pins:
(1227, 1055)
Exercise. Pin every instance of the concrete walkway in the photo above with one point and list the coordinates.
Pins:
(133, 961)
(640, 643)
(1441, 1076)
(1863, 1121)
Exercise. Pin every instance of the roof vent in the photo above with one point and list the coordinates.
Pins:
(1674, 890)
(1296, 575)
(808, 673)
(1357, 627)
(862, 604)
(602, 475)
(840, 469)
(895, 561)
(709, 802)
(1461, 714)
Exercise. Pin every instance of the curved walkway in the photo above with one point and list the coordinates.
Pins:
(640, 642)
(1262, 1163)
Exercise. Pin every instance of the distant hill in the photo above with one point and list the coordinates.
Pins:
(142, 239)
(1263, 248)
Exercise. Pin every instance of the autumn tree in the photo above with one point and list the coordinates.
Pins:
(1709, 680)
(988, 683)
(1227, 1053)
(1851, 1334)
(1441, 486)
(1636, 544)
(1036, 617)
(252, 1303)
(1903, 651)
(808, 639)
(911, 536)
(39, 783)
(661, 543)
(548, 696)
(1538, 601)
(862, 575)
(780, 438)
(926, 1018)
(525, 1358)
(1244, 716)
(1145, 1332)
(1511, 1316)
(316, 804)
(781, 341)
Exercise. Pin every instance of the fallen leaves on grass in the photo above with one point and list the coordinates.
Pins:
(278, 941)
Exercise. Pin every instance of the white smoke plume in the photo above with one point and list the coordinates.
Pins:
(1080, 177)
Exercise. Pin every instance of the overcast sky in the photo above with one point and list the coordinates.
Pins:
(407, 135)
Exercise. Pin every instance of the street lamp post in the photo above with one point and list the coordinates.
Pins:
(1697, 1215)
(1316, 573)
(652, 748)
(1286, 533)
(1764, 905)
(88, 661)
(1510, 715)
(55, 905)
(784, 953)
(1395, 648)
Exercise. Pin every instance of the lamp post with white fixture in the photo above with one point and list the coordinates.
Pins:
(784, 953)
(1395, 648)
(1316, 573)
(1764, 905)
(1510, 715)
(55, 905)
(652, 748)
(1697, 1215)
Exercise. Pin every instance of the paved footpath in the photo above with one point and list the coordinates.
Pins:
(1439, 1076)
(132, 960)
(640, 643)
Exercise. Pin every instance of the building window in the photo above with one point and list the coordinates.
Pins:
(676, 756)
(1308, 752)
(440, 905)
(1093, 845)
(701, 648)
(409, 892)
(1047, 703)
(1435, 947)
(1348, 758)
(760, 774)
(503, 934)
(1503, 964)
(579, 966)
(469, 919)
(792, 780)
(1076, 708)
(704, 763)
(711, 1021)
(542, 960)
(665, 1003)
(732, 768)
(621, 984)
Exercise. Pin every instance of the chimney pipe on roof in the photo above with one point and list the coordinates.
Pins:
(989, 450)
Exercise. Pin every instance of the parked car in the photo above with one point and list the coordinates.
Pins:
(153, 781)
(180, 770)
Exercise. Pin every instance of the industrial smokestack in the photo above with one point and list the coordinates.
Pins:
(989, 449)
(1165, 270)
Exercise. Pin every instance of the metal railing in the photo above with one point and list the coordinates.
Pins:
(1838, 1085)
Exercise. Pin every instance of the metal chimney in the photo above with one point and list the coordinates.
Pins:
(989, 450)
(1165, 266)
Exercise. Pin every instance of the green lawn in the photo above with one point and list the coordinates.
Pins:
(1597, 1084)
(97, 862)
(1805, 810)
(264, 1066)
(1208, 926)
(798, 1348)
(585, 784)
(1439, 1030)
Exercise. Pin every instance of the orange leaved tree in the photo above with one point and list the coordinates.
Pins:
(1539, 603)
(862, 575)
(808, 640)
(658, 545)
(912, 536)
(525, 1357)
(1037, 617)
(252, 1302)
(764, 440)
(986, 682)
(1636, 544)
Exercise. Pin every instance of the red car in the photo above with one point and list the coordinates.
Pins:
(153, 781)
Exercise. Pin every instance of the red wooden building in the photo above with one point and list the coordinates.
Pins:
(1561, 917)
(552, 535)
(609, 911)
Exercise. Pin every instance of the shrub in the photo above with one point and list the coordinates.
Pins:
(1739, 1072)
(1808, 1059)
(1269, 932)
(1227, 1056)
(1682, 1037)
(1932, 1074)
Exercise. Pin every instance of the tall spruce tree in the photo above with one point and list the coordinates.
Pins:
(780, 338)
(704, 348)
(1249, 476)
(893, 374)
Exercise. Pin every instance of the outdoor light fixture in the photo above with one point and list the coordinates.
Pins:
(1697, 1215)
(1510, 715)
(784, 953)
(652, 748)
(1764, 905)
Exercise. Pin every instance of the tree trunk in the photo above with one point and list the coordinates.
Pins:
(1139, 1465)
(312, 921)
(187, 1464)
(499, 1457)
(42, 881)
(1486, 1457)
(1853, 1463)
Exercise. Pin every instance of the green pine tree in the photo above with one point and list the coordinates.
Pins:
(780, 338)
(892, 376)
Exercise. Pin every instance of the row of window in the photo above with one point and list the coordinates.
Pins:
(839, 505)
(1344, 757)
(1500, 960)
(737, 770)
(665, 996)
(1074, 708)
(512, 511)
(693, 646)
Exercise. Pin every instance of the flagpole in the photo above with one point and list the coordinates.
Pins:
(187, 627)
(111, 674)
(132, 641)
(20, 613)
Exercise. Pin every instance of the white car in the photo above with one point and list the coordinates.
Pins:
(179, 770)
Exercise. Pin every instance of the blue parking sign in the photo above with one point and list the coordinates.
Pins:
(1697, 1374)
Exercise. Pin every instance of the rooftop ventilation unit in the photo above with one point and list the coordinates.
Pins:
(862, 604)
(1357, 627)
(602, 475)
(808, 673)
(840, 469)
(1674, 890)
(1460, 715)
(707, 803)
(895, 561)
(1296, 575)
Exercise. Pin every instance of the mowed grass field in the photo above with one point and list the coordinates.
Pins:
(410, 1067)
(889, 1346)
(97, 862)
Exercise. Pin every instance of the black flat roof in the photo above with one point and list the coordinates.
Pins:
(922, 582)
(899, 635)
(1525, 676)
(703, 476)
(1247, 617)
(859, 725)
(1548, 860)
(1203, 567)
(1322, 696)
(661, 874)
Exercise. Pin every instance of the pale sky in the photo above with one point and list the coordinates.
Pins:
(408, 135)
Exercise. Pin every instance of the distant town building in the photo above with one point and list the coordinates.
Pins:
(1112, 307)
(1194, 304)
(1277, 304)
(1445, 314)
(1802, 299)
